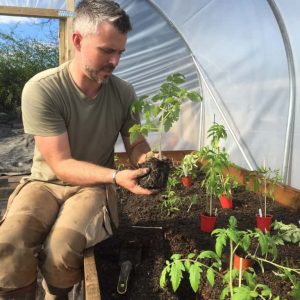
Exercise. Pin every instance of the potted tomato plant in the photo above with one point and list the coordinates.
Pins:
(263, 181)
(226, 181)
(210, 183)
(160, 112)
(215, 163)
(188, 168)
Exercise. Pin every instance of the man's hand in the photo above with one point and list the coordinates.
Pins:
(128, 180)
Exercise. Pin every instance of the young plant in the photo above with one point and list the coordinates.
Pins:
(215, 162)
(286, 233)
(188, 165)
(162, 110)
(263, 182)
(237, 284)
(171, 201)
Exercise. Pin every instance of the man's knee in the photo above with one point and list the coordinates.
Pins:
(18, 267)
(62, 258)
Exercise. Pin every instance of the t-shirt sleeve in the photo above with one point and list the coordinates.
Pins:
(131, 118)
(41, 115)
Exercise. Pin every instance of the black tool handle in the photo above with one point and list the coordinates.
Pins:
(126, 268)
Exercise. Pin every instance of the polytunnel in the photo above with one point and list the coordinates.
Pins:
(242, 56)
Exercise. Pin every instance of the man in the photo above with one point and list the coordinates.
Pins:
(75, 113)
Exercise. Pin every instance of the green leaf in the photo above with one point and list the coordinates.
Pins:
(210, 276)
(232, 222)
(207, 254)
(225, 292)
(187, 265)
(220, 243)
(194, 96)
(296, 292)
(191, 255)
(233, 235)
(162, 280)
(176, 256)
(250, 279)
(241, 293)
(195, 272)
(176, 274)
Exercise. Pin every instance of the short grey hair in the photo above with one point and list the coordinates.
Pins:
(90, 13)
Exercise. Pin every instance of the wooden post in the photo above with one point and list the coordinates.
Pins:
(65, 31)
(92, 289)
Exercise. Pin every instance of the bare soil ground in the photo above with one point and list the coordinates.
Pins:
(165, 234)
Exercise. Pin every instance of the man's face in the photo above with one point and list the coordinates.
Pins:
(101, 52)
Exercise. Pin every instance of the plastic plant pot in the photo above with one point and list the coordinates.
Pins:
(264, 223)
(226, 202)
(241, 263)
(207, 222)
(186, 181)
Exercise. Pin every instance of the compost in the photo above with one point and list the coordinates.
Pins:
(162, 233)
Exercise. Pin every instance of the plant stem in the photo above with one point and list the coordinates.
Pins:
(297, 271)
(210, 205)
(160, 135)
(265, 181)
(230, 269)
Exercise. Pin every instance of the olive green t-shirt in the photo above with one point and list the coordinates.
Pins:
(52, 104)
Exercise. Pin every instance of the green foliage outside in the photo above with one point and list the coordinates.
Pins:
(20, 59)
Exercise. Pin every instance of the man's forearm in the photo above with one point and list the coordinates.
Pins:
(78, 172)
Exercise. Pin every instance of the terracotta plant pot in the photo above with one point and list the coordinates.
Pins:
(264, 223)
(207, 222)
(186, 181)
(226, 202)
(241, 263)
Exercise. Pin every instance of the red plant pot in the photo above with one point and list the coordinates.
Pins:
(186, 181)
(207, 222)
(241, 263)
(264, 223)
(226, 202)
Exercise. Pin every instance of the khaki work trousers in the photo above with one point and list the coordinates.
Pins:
(48, 226)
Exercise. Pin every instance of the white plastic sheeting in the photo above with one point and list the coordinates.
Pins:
(243, 56)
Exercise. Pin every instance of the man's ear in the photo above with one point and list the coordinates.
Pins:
(77, 38)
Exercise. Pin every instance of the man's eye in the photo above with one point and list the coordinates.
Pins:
(107, 51)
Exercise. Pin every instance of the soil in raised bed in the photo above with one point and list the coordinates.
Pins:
(178, 232)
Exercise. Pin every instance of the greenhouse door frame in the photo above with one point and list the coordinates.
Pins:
(65, 23)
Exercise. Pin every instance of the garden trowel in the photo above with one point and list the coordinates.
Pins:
(130, 257)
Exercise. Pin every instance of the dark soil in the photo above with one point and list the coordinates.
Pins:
(161, 234)
(158, 174)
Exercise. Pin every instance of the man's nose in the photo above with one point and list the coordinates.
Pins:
(114, 59)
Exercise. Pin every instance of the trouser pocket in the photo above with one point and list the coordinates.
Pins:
(99, 228)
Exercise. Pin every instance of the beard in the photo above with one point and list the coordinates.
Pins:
(95, 74)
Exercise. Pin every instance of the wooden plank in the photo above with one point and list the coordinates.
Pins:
(92, 289)
(31, 12)
(65, 34)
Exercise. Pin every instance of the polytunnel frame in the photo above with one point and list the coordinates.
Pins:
(65, 54)
(286, 166)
